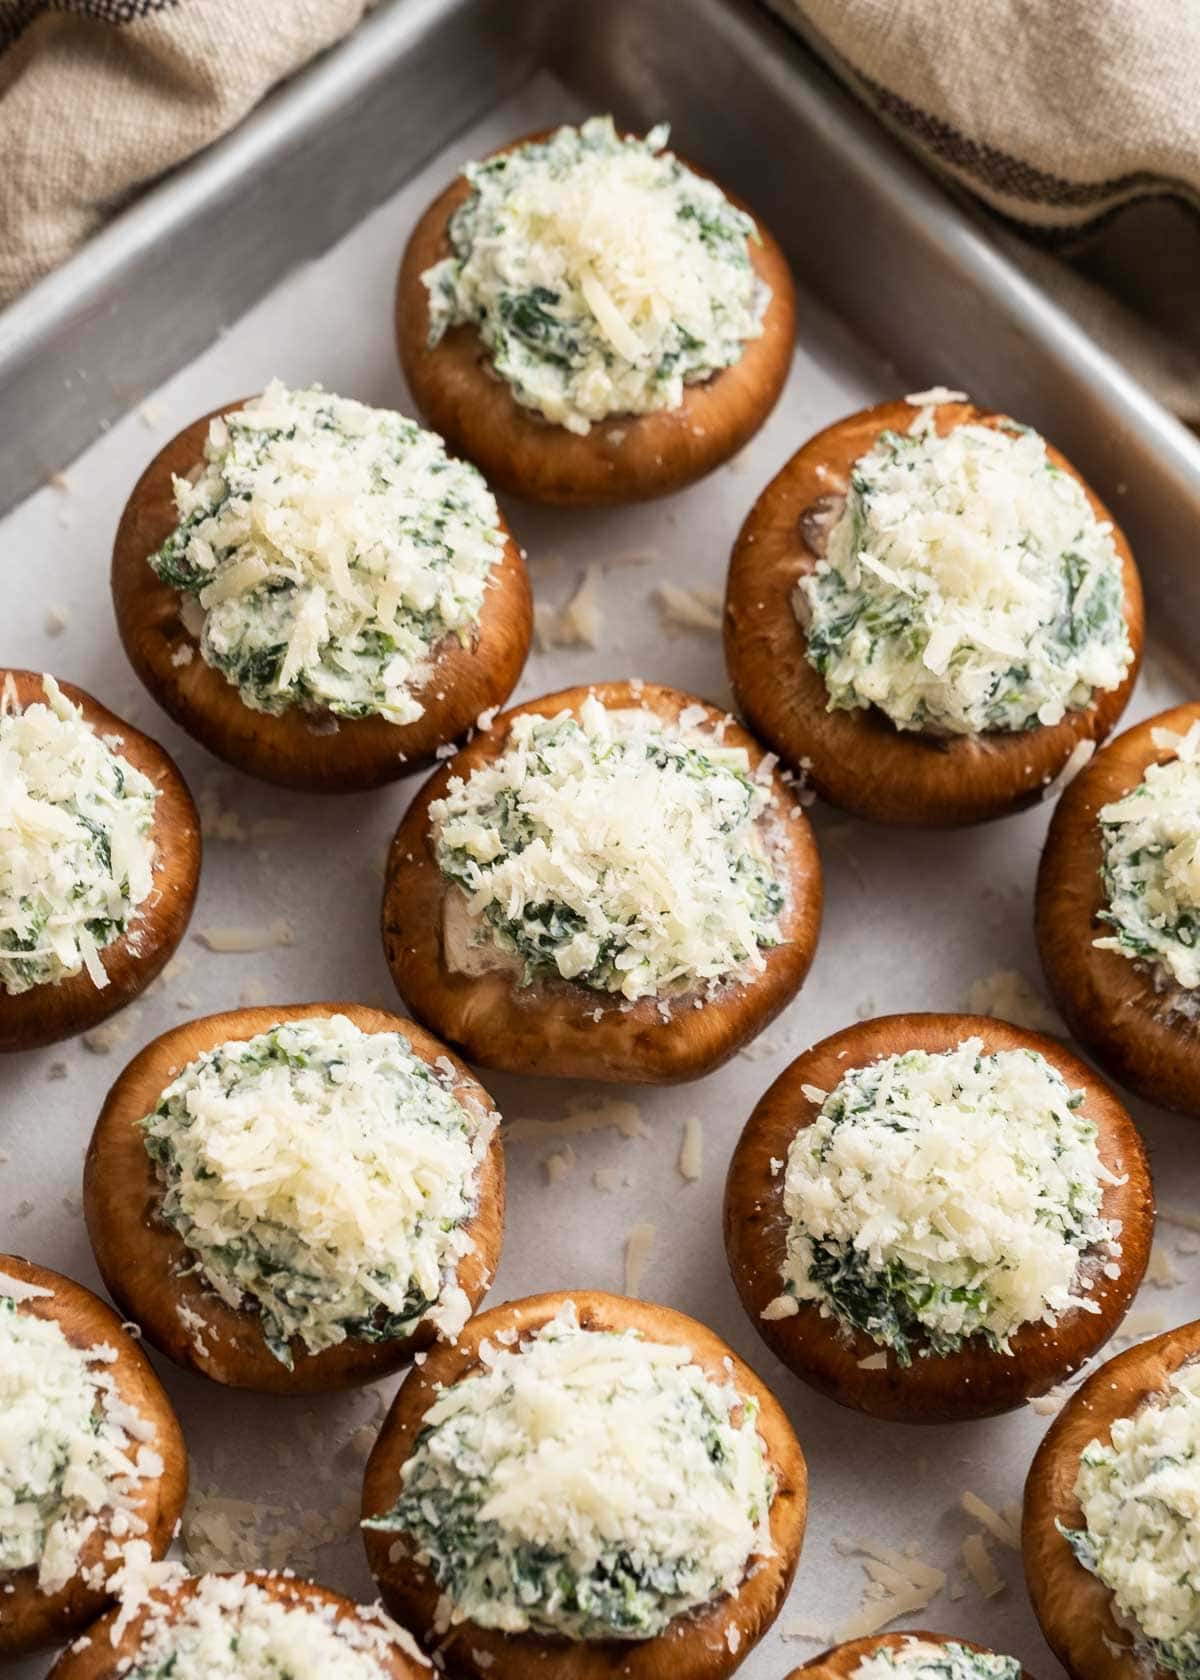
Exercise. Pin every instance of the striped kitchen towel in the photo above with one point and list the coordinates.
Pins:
(1077, 123)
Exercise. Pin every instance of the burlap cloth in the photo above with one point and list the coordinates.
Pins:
(1076, 121)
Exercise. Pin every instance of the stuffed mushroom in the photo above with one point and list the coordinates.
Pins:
(929, 610)
(936, 1217)
(296, 1199)
(1118, 908)
(612, 883)
(317, 592)
(257, 1625)
(93, 1471)
(99, 860)
(583, 1486)
(1109, 1533)
(591, 319)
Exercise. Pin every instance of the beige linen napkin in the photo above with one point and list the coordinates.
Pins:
(1078, 123)
(98, 97)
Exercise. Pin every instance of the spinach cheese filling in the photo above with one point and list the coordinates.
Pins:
(76, 854)
(967, 586)
(324, 552)
(1139, 1493)
(325, 1177)
(587, 1484)
(602, 275)
(940, 1196)
(1151, 871)
(229, 1628)
(921, 1659)
(615, 850)
(72, 1452)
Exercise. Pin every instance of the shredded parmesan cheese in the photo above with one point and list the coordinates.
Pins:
(689, 609)
(967, 586)
(1151, 871)
(325, 1176)
(559, 1164)
(638, 1247)
(578, 624)
(614, 850)
(941, 1196)
(72, 1451)
(691, 1150)
(600, 273)
(76, 849)
(329, 548)
(584, 1114)
(1009, 996)
(230, 1628)
(586, 1484)
(999, 1527)
(1139, 1493)
(979, 1564)
(242, 940)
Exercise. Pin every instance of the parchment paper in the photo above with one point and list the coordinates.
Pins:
(912, 921)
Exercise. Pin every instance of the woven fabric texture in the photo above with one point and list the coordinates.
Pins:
(100, 97)
(1076, 122)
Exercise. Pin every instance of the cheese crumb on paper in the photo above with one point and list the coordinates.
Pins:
(638, 1247)
(689, 609)
(558, 1165)
(997, 1525)
(580, 623)
(240, 940)
(1162, 1271)
(691, 1150)
(980, 1567)
(584, 1114)
(1007, 995)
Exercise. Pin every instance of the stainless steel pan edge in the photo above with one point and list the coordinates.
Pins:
(897, 257)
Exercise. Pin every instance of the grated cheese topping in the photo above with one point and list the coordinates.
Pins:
(1151, 870)
(967, 586)
(328, 548)
(939, 1196)
(324, 1176)
(602, 275)
(922, 1659)
(615, 850)
(1139, 1495)
(587, 1484)
(230, 1629)
(72, 1451)
(76, 853)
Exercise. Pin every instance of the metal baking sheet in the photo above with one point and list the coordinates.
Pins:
(913, 921)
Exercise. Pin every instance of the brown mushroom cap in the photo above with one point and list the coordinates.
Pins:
(707, 1644)
(973, 1381)
(1107, 999)
(57, 1010)
(857, 758)
(140, 1257)
(30, 1619)
(841, 1663)
(106, 1658)
(551, 1027)
(296, 749)
(625, 458)
(1074, 1606)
